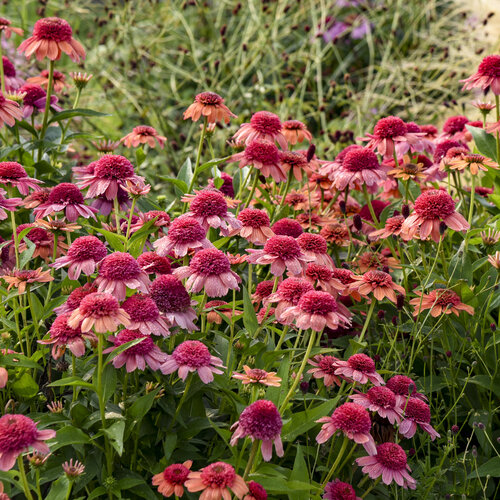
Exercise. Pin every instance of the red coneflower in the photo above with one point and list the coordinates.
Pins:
(13, 174)
(193, 356)
(265, 127)
(440, 301)
(287, 227)
(17, 434)
(257, 376)
(355, 423)
(145, 316)
(377, 282)
(403, 386)
(295, 132)
(381, 400)
(262, 421)
(431, 208)
(152, 263)
(63, 336)
(52, 36)
(315, 247)
(209, 269)
(262, 290)
(359, 368)
(255, 226)
(211, 106)
(325, 367)
(215, 481)
(416, 412)
(256, 492)
(372, 261)
(337, 490)
(171, 480)
(173, 301)
(100, 311)
(389, 462)
(486, 77)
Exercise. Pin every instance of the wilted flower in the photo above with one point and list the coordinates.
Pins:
(73, 469)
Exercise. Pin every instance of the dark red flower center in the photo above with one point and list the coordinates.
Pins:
(284, 247)
(266, 123)
(141, 308)
(361, 362)
(209, 99)
(434, 204)
(151, 262)
(86, 248)
(390, 127)
(313, 243)
(261, 420)
(119, 266)
(113, 167)
(262, 152)
(490, 66)
(12, 170)
(176, 474)
(54, 29)
(169, 294)
(251, 217)
(209, 262)
(287, 227)
(207, 203)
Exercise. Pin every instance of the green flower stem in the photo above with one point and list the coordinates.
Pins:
(181, 402)
(52, 270)
(275, 286)
(367, 320)
(251, 458)
(73, 373)
(296, 382)
(70, 487)
(370, 206)
(129, 223)
(198, 156)
(282, 337)
(497, 102)
(252, 191)
(333, 468)
(15, 236)
(116, 206)
(34, 319)
(47, 108)
(371, 487)
(287, 187)
(24, 479)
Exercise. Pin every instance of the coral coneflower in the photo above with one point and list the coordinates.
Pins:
(143, 135)
(257, 376)
(265, 127)
(295, 132)
(75, 297)
(390, 463)
(315, 247)
(9, 204)
(211, 106)
(13, 174)
(403, 386)
(63, 336)
(392, 227)
(100, 311)
(193, 356)
(317, 310)
(486, 77)
(138, 355)
(20, 279)
(173, 301)
(43, 240)
(431, 208)
(215, 481)
(7, 29)
(209, 269)
(283, 253)
(152, 263)
(171, 480)
(359, 368)
(338, 490)
(355, 423)
(472, 162)
(296, 162)
(377, 282)
(416, 412)
(287, 227)
(372, 261)
(51, 37)
(145, 316)
(262, 421)
(216, 308)
(255, 226)
(321, 277)
(407, 170)
(58, 82)
(338, 234)
(325, 367)
(9, 112)
(17, 434)
(440, 301)
(255, 492)
(381, 400)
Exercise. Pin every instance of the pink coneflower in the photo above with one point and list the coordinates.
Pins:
(36, 198)
(227, 188)
(51, 37)
(262, 291)
(17, 434)
(68, 198)
(161, 220)
(143, 135)
(295, 132)
(209, 208)
(473, 163)
(139, 355)
(440, 301)
(354, 421)
(454, 128)
(419, 141)
(216, 309)
(257, 376)
(360, 167)
(7, 30)
(416, 412)
(265, 127)
(215, 481)
(211, 106)
(83, 256)
(109, 172)
(359, 368)
(390, 463)
(262, 421)
(255, 226)
(185, 234)
(321, 277)
(104, 206)
(173, 301)
(12, 81)
(75, 297)
(43, 240)
(381, 400)
(13, 174)
(255, 492)
(486, 77)
(288, 294)
(152, 263)
(100, 311)
(20, 279)
(145, 316)
(403, 386)
(325, 367)
(58, 80)
(265, 157)
(431, 208)
(392, 227)
(337, 490)
(388, 133)
(287, 227)
(35, 99)
(73, 469)
(119, 271)
(283, 253)
(315, 247)
(9, 204)
(317, 310)
(9, 112)
(63, 336)
(295, 161)
(171, 480)
(328, 168)
(209, 269)
(192, 356)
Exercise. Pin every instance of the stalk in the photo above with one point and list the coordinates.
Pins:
(333, 468)
(47, 108)
(24, 479)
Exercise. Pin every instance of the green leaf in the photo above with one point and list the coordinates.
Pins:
(186, 173)
(58, 489)
(26, 256)
(249, 316)
(485, 143)
(115, 434)
(71, 382)
(116, 241)
(25, 387)
(69, 436)
(490, 468)
(140, 156)
(183, 187)
(169, 443)
(299, 473)
(120, 349)
(71, 113)
(212, 163)
(18, 361)
(110, 379)
(141, 406)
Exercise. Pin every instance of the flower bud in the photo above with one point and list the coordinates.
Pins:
(358, 222)
(405, 210)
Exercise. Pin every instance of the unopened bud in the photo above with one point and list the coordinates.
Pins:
(310, 152)
(442, 227)
(358, 222)
(400, 301)
(405, 210)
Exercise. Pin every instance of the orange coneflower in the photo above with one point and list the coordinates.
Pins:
(295, 131)
(211, 106)
(440, 301)
(59, 80)
(21, 278)
(472, 162)
(408, 170)
(377, 282)
(257, 376)
(5, 27)
(143, 135)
